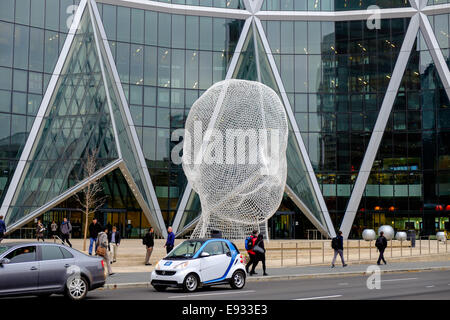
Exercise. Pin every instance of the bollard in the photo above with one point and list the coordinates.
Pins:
(446, 244)
(282, 254)
(359, 250)
(437, 242)
(348, 249)
(392, 244)
(370, 250)
(420, 246)
(323, 252)
(296, 253)
(310, 252)
(401, 248)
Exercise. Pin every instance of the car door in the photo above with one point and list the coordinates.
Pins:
(53, 267)
(214, 266)
(20, 274)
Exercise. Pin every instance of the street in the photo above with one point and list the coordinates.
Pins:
(395, 286)
(410, 285)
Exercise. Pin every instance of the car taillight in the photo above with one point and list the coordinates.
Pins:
(103, 264)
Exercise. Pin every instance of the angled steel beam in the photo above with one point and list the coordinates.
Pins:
(334, 16)
(65, 195)
(436, 9)
(380, 125)
(158, 220)
(435, 51)
(299, 140)
(181, 9)
(234, 60)
(36, 130)
(305, 210)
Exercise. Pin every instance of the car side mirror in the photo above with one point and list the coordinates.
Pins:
(204, 254)
(4, 261)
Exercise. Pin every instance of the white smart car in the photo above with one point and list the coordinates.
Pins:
(200, 262)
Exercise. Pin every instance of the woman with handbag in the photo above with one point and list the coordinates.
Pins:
(102, 248)
(260, 254)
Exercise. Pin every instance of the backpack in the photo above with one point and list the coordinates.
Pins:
(249, 243)
(334, 243)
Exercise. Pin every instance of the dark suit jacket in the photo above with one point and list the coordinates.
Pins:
(116, 235)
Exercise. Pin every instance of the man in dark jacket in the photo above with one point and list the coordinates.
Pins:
(149, 242)
(381, 244)
(66, 229)
(2, 228)
(114, 241)
(94, 229)
(170, 243)
(338, 246)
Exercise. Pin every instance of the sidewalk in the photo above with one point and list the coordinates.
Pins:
(142, 279)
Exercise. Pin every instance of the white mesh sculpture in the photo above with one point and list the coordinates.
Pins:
(234, 156)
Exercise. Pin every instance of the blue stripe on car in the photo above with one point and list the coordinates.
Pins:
(233, 257)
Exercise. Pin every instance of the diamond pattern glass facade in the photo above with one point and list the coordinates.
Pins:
(332, 72)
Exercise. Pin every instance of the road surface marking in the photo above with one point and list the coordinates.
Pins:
(429, 287)
(324, 297)
(403, 279)
(343, 284)
(209, 294)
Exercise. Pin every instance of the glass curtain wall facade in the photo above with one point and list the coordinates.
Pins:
(334, 73)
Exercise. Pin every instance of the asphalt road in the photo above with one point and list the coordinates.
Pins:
(425, 285)
(411, 285)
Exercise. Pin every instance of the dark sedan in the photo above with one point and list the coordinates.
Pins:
(45, 268)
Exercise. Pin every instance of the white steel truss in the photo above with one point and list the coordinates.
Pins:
(151, 207)
(419, 23)
(252, 14)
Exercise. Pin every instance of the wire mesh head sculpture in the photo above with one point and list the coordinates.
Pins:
(234, 156)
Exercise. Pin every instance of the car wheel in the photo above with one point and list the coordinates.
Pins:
(190, 283)
(77, 288)
(238, 280)
(160, 288)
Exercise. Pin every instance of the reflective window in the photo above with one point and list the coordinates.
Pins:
(123, 21)
(49, 252)
(214, 248)
(24, 254)
(6, 43)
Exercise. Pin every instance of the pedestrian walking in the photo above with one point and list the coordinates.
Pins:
(102, 248)
(338, 245)
(94, 229)
(260, 254)
(249, 244)
(2, 228)
(54, 230)
(170, 243)
(381, 245)
(40, 231)
(66, 229)
(114, 241)
(149, 242)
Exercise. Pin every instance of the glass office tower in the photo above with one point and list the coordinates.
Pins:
(365, 85)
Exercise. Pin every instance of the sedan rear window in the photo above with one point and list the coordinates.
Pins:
(51, 253)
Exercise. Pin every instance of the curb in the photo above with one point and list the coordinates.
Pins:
(114, 286)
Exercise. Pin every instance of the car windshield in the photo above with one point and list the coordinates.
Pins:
(186, 250)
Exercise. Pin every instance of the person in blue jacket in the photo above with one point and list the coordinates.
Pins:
(2, 228)
(170, 240)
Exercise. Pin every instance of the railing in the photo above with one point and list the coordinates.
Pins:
(320, 252)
